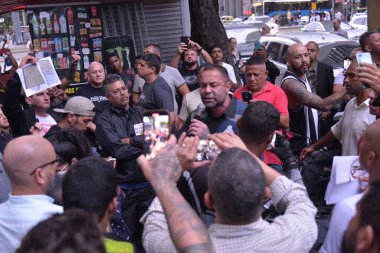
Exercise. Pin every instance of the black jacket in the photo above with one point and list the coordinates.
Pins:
(19, 119)
(111, 126)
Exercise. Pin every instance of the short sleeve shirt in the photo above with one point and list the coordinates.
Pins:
(157, 95)
(171, 76)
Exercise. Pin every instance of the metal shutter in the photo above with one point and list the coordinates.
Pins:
(159, 23)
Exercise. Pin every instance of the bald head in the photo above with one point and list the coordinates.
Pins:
(96, 74)
(298, 59)
(23, 155)
(369, 150)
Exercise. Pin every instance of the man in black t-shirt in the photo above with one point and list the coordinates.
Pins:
(94, 90)
(115, 67)
(189, 69)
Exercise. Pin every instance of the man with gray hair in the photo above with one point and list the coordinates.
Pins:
(119, 132)
(237, 198)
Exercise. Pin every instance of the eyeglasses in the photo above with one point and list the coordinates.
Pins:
(120, 91)
(56, 161)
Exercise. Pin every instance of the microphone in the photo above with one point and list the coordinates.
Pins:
(197, 113)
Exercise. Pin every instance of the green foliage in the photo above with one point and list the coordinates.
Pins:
(7, 24)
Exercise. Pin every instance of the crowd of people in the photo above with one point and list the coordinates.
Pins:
(75, 179)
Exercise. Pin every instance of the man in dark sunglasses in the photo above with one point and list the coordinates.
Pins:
(31, 164)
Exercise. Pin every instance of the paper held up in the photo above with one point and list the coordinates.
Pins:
(344, 181)
(38, 77)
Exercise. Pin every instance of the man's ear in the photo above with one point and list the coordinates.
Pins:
(365, 239)
(74, 160)
(367, 48)
(28, 100)
(207, 198)
(71, 117)
(228, 86)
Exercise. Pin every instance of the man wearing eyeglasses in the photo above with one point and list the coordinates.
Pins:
(119, 131)
(31, 164)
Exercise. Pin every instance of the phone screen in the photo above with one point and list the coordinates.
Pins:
(185, 39)
(156, 131)
(257, 46)
(364, 57)
(207, 150)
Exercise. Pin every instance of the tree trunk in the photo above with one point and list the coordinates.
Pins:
(207, 28)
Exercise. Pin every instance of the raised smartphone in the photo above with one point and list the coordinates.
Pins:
(185, 39)
(156, 131)
(364, 57)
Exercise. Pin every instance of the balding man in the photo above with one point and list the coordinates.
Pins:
(369, 157)
(94, 90)
(302, 103)
(31, 163)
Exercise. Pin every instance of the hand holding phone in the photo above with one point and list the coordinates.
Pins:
(186, 40)
(156, 131)
(247, 96)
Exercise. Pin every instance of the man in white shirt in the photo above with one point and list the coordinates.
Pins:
(217, 56)
(355, 119)
(369, 153)
(31, 164)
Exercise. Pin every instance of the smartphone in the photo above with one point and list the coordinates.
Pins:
(207, 150)
(156, 131)
(272, 143)
(185, 39)
(257, 46)
(364, 57)
(247, 96)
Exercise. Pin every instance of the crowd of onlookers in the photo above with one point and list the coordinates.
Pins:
(74, 177)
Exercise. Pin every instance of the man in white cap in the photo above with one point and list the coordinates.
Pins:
(78, 113)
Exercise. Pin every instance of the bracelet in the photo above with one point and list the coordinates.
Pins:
(200, 50)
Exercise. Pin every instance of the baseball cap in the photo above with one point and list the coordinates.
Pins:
(78, 105)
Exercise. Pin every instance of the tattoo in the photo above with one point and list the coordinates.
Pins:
(296, 90)
(198, 248)
(186, 229)
(166, 165)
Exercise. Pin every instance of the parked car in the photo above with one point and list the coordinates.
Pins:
(333, 48)
(327, 26)
(226, 19)
(239, 19)
(265, 19)
(243, 33)
(359, 21)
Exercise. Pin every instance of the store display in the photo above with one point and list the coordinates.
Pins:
(59, 32)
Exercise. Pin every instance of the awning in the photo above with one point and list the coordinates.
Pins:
(11, 5)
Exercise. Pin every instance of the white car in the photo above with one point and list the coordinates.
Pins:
(333, 48)
(265, 19)
(359, 21)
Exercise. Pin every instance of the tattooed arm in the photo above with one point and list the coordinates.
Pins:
(296, 91)
(186, 229)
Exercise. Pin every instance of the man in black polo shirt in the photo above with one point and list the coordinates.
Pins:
(119, 131)
(220, 115)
